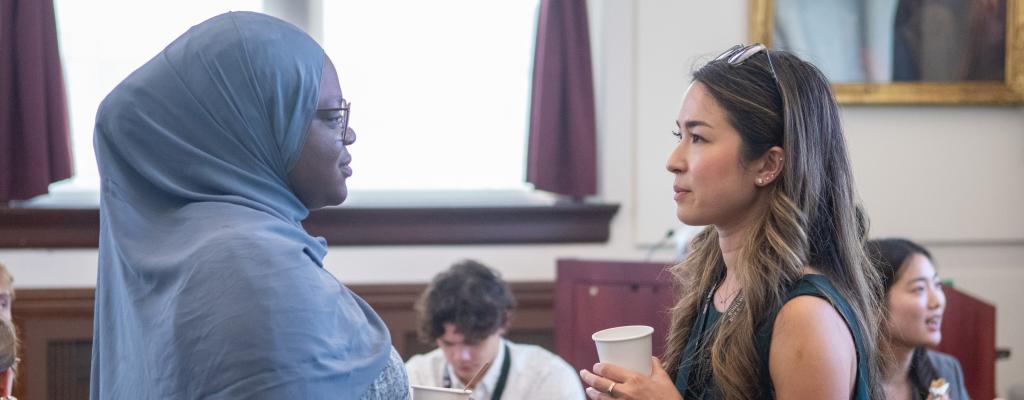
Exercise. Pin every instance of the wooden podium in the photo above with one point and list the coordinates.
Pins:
(594, 295)
(969, 334)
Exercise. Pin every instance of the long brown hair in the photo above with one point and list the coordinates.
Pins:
(812, 217)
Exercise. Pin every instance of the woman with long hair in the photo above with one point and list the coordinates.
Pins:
(914, 302)
(777, 295)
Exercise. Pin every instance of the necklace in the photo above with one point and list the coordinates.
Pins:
(734, 308)
(726, 299)
(700, 369)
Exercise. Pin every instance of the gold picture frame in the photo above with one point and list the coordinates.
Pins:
(1009, 91)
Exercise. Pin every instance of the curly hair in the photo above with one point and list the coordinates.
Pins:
(469, 295)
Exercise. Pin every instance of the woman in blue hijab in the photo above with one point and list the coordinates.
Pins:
(211, 154)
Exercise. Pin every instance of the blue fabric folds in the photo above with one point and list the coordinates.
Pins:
(208, 285)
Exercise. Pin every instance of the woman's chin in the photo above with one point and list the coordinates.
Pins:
(340, 196)
(689, 219)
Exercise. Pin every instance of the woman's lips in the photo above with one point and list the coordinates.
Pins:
(680, 193)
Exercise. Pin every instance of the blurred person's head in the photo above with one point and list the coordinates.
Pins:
(914, 304)
(8, 356)
(913, 293)
(6, 292)
(465, 310)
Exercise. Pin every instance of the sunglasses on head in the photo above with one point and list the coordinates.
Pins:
(737, 54)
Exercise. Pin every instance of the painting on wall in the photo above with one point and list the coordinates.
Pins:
(903, 51)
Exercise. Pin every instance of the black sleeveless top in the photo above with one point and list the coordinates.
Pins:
(695, 384)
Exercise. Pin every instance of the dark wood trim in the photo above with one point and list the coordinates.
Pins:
(49, 227)
(34, 303)
(565, 223)
(53, 303)
(356, 226)
(529, 295)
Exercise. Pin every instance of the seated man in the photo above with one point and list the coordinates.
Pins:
(466, 310)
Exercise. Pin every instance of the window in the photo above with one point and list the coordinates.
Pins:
(101, 42)
(440, 89)
(441, 106)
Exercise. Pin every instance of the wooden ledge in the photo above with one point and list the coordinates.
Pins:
(357, 226)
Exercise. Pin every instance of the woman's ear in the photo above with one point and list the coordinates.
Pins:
(770, 166)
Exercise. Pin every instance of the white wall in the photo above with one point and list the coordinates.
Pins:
(948, 176)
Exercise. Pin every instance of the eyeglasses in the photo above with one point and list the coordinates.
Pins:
(737, 54)
(346, 110)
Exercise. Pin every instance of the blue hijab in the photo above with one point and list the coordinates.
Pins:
(208, 285)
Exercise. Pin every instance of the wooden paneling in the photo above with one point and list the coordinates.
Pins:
(55, 326)
(594, 295)
(531, 323)
(48, 322)
(969, 334)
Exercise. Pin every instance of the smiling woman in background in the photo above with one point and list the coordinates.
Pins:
(211, 154)
(915, 303)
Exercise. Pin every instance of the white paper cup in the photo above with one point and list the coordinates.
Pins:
(439, 393)
(626, 346)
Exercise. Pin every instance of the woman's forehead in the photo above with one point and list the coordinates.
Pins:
(330, 87)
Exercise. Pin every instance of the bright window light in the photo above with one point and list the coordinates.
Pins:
(440, 90)
(101, 42)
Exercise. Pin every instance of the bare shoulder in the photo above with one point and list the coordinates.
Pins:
(812, 352)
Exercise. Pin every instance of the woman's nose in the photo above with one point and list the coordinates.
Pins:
(936, 298)
(676, 161)
(350, 136)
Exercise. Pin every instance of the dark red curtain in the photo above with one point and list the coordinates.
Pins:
(562, 150)
(34, 138)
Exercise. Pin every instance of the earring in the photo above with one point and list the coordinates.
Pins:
(760, 181)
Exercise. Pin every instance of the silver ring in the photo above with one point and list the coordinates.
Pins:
(612, 387)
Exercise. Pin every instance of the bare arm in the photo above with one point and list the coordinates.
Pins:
(812, 354)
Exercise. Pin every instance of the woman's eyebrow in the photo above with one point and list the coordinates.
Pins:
(691, 123)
